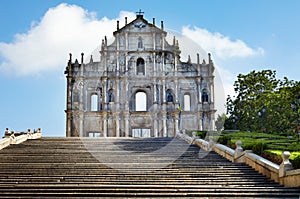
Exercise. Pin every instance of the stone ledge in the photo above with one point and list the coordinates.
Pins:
(17, 138)
(282, 174)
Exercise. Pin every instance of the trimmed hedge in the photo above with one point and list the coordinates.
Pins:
(261, 143)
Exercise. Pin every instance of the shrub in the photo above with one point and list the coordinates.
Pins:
(225, 139)
(273, 157)
(258, 147)
(201, 134)
(296, 162)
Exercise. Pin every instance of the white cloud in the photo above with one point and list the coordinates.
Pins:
(220, 45)
(63, 29)
(70, 28)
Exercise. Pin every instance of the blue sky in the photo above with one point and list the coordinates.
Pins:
(35, 42)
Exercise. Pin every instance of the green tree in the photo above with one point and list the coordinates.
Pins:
(260, 89)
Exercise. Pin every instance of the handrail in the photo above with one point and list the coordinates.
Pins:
(284, 173)
(11, 137)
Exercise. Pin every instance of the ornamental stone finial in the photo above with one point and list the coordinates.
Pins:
(238, 149)
(286, 164)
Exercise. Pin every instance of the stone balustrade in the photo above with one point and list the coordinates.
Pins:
(12, 137)
(283, 173)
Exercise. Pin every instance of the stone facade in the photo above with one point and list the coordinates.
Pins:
(139, 88)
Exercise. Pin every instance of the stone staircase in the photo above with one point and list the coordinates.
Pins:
(128, 168)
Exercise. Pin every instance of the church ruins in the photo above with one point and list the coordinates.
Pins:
(139, 88)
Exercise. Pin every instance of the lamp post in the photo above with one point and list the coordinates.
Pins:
(261, 116)
(295, 107)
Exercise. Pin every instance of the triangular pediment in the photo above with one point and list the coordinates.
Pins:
(139, 25)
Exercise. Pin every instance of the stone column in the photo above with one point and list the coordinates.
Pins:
(154, 92)
(117, 125)
(163, 41)
(68, 125)
(126, 125)
(200, 122)
(164, 126)
(176, 63)
(117, 98)
(153, 40)
(104, 125)
(155, 127)
(199, 90)
(126, 41)
(176, 124)
(118, 54)
(81, 132)
(163, 63)
(163, 91)
(212, 96)
(154, 63)
(81, 66)
(104, 94)
(176, 91)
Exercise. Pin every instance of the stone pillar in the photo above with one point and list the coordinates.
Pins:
(238, 150)
(155, 127)
(163, 41)
(176, 91)
(199, 91)
(176, 63)
(68, 125)
(117, 125)
(105, 94)
(212, 96)
(81, 133)
(126, 41)
(104, 125)
(154, 92)
(117, 98)
(154, 63)
(286, 164)
(200, 122)
(176, 124)
(163, 63)
(163, 91)
(154, 40)
(81, 66)
(126, 125)
(164, 126)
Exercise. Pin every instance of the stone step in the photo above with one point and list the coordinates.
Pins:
(146, 191)
(88, 167)
(117, 180)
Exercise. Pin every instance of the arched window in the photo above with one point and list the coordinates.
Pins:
(140, 66)
(186, 102)
(170, 96)
(111, 97)
(204, 96)
(94, 102)
(140, 101)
